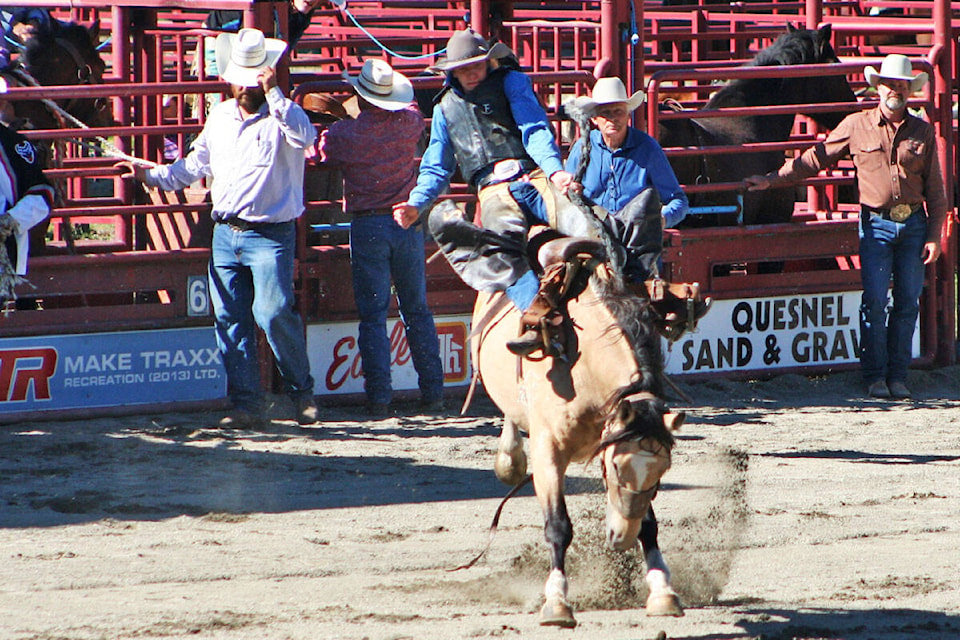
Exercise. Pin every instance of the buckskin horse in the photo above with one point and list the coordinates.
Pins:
(603, 398)
(797, 46)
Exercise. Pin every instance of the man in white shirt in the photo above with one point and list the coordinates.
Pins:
(253, 148)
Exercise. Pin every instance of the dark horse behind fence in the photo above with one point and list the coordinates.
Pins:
(603, 398)
(64, 55)
(797, 46)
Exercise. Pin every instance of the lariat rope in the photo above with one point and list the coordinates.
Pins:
(575, 109)
(9, 279)
(107, 147)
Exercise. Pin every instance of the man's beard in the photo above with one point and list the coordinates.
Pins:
(894, 103)
(251, 98)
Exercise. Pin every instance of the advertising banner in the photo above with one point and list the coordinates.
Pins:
(335, 355)
(45, 373)
(770, 333)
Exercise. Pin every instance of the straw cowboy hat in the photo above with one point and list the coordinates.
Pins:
(242, 55)
(612, 91)
(380, 85)
(896, 67)
(466, 47)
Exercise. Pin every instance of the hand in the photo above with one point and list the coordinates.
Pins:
(405, 215)
(931, 251)
(562, 181)
(132, 170)
(267, 78)
(757, 183)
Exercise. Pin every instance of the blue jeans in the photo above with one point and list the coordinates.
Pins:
(889, 250)
(380, 250)
(251, 284)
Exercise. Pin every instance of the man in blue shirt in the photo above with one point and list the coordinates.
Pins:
(624, 163)
(489, 122)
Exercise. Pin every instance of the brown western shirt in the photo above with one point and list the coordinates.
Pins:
(895, 165)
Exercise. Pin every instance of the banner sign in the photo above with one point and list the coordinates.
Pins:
(770, 333)
(109, 369)
(335, 355)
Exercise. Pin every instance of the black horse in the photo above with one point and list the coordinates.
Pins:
(65, 55)
(797, 46)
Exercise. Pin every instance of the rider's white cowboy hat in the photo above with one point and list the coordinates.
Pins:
(611, 91)
(466, 47)
(380, 85)
(242, 55)
(896, 67)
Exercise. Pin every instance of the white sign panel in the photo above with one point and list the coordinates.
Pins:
(771, 333)
(335, 355)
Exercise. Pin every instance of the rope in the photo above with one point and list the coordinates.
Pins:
(107, 147)
(8, 277)
(579, 115)
(343, 7)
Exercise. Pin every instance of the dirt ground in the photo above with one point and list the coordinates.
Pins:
(794, 509)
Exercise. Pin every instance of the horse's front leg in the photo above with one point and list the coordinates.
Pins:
(510, 464)
(663, 600)
(548, 473)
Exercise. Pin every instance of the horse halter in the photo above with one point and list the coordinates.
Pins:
(632, 504)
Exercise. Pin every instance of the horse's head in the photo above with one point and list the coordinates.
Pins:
(635, 453)
(807, 46)
(66, 55)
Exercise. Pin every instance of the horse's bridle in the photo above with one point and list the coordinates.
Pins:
(632, 504)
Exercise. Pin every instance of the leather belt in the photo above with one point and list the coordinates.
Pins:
(244, 225)
(897, 213)
(382, 211)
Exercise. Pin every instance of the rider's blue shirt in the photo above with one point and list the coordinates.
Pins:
(438, 163)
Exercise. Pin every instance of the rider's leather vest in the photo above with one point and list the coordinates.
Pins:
(481, 127)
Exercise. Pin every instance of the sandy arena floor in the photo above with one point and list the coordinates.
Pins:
(794, 509)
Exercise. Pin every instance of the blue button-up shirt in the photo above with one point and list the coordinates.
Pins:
(439, 163)
(256, 162)
(615, 177)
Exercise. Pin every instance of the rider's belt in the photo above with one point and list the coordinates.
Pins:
(239, 224)
(382, 211)
(897, 213)
(502, 171)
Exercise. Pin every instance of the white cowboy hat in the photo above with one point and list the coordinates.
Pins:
(896, 67)
(611, 91)
(466, 47)
(380, 85)
(242, 55)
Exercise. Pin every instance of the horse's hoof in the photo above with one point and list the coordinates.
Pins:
(510, 469)
(557, 613)
(666, 604)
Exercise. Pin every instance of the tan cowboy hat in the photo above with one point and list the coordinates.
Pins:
(381, 86)
(466, 47)
(896, 67)
(611, 91)
(242, 55)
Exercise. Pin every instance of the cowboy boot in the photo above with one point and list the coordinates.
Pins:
(540, 321)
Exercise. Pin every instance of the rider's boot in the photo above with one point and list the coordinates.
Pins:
(562, 259)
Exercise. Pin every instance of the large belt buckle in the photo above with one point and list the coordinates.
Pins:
(901, 212)
(507, 170)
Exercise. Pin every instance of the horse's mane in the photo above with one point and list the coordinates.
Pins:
(801, 46)
(635, 318)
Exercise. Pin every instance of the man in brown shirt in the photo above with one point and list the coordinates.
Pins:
(895, 154)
